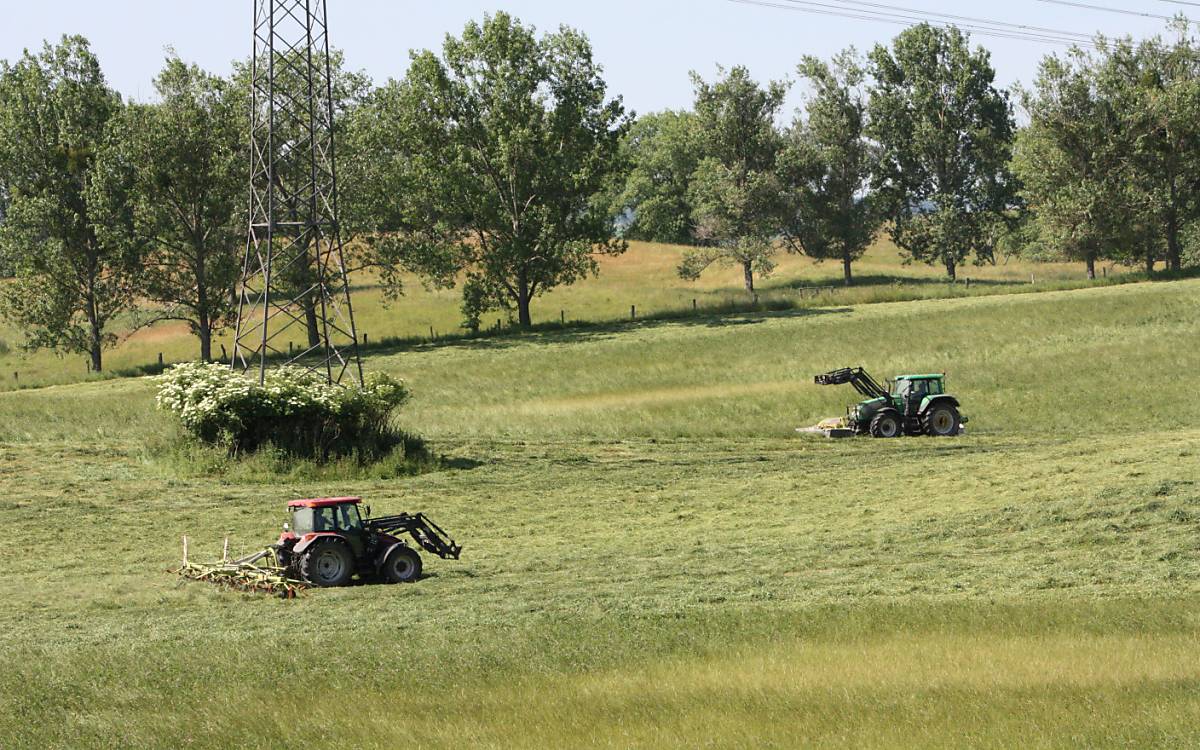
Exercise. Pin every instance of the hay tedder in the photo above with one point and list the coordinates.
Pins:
(328, 542)
(909, 405)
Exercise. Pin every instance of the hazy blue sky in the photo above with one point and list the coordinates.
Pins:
(646, 46)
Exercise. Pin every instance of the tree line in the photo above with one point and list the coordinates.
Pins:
(504, 166)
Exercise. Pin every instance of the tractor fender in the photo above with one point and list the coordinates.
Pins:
(942, 399)
(383, 556)
(308, 540)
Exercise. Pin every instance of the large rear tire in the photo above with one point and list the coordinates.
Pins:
(886, 424)
(327, 564)
(403, 565)
(942, 420)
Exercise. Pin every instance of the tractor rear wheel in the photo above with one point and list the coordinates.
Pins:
(886, 424)
(403, 565)
(327, 564)
(942, 420)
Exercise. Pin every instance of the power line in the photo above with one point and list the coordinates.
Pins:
(894, 18)
(1180, 2)
(972, 19)
(1108, 9)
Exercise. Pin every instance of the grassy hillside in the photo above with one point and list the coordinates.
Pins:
(644, 277)
(653, 558)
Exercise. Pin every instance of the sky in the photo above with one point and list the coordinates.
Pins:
(647, 47)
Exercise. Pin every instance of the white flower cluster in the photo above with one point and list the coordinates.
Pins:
(219, 404)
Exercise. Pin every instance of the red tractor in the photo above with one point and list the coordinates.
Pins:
(327, 542)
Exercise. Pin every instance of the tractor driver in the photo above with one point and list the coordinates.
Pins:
(323, 519)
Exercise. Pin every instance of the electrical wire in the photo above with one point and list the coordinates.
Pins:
(971, 19)
(1108, 9)
(902, 20)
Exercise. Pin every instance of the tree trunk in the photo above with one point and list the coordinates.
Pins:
(748, 276)
(95, 330)
(205, 335)
(951, 269)
(1173, 252)
(311, 322)
(1149, 263)
(1091, 267)
(846, 273)
(1174, 256)
(95, 345)
(523, 316)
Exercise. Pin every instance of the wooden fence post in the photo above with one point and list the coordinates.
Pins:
(633, 312)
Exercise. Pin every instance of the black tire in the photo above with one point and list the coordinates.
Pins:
(886, 424)
(402, 565)
(327, 564)
(941, 420)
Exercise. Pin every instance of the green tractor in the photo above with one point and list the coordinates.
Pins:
(912, 405)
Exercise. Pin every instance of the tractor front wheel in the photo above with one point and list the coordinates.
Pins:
(327, 564)
(886, 424)
(942, 420)
(403, 565)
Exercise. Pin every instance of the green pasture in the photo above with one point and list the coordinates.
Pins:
(643, 278)
(653, 557)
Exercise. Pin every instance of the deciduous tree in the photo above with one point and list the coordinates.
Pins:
(71, 281)
(945, 135)
(503, 144)
(1073, 162)
(736, 194)
(828, 164)
(661, 153)
(188, 197)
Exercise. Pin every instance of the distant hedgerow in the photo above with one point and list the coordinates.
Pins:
(294, 411)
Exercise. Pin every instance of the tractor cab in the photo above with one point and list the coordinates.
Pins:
(335, 514)
(922, 385)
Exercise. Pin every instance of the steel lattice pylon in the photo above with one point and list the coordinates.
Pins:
(294, 273)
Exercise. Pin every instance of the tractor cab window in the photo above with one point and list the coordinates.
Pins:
(348, 518)
(902, 388)
(324, 519)
(935, 387)
(302, 520)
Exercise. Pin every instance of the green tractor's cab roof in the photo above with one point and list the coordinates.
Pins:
(937, 376)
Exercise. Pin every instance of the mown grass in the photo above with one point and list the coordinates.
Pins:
(644, 278)
(652, 558)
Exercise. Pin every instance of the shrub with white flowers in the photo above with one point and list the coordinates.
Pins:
(294, 410)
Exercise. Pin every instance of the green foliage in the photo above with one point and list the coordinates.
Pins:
(1073, 165)
(502, 146)
(1156, 88)
(735, 192)
(188, 190)
(945, 134)
(660, 153)
(828, 165)
(294, 411)
(72, 277)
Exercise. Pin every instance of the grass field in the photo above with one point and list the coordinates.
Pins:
(644, 277)
(653, 558)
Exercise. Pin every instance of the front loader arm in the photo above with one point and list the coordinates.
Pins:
(855, 376)
(427, 534)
